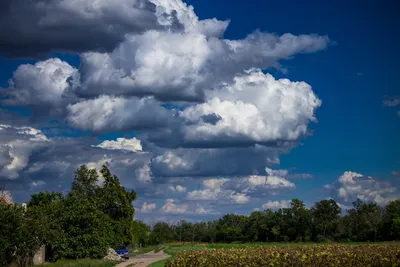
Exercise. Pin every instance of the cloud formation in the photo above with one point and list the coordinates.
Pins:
(206, 117)
(351, 185)
(132, 144)
(255, 108)
(186, 65)
(146, 207)
(391, 101)
(275, 205)
(107, 113)
(43, 86)
(240, 190)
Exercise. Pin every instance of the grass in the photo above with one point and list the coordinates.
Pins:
(80, 263)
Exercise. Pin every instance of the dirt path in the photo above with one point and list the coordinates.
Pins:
(144, 260)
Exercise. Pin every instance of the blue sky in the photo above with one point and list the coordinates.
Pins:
(91, 81)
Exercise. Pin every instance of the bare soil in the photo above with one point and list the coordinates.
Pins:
(144, 260)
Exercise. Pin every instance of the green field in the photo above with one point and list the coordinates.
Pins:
(174, 248)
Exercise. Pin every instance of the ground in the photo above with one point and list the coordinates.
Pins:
(144, 259)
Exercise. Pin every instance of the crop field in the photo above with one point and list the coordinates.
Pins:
(337, 255)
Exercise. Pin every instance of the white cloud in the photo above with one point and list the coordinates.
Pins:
(240, 198)
(132, 144)
(117, 113)
(211, 191)
(204, 194)
(18, 143)
(37, 184)
(204, 211)
(178, 188)
(171, 161)
(185, 14)
(181, 66)
(215, 184)
(276, 204)
(257, 184)
(171, 207)
(255, 108)
(144, 174)
(146, 207)
(278, 182)
(281, 173)
(43, 84)
(391, 101)
(352, 185)
(239, 189)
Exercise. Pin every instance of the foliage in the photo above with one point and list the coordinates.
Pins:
(161, 233)
(91, 218)
(141, 233)
(80, 263)
(18, 236)
(322, 255)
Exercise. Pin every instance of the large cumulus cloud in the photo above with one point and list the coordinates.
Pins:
(201, 106)
(185, 64)
(44, 87)
(254, 108)
(107, 113)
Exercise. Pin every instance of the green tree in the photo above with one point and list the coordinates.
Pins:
(390, 227)
(161, 233)
(46, 209)
(276, 231)
(326, 214)
(297, 220)
(18, 236)
(141, 233)
(116, 202)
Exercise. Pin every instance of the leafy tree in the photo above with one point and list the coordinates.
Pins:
(141, 233)
(276, 231)
(296, 220)
(85, 182)
(18, 236)
(390, 227)
(161, 233)
(231, 228)
(116, 202)
(88, 220)
(326, 214)
(47, 210)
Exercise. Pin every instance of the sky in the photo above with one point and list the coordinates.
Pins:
(202, 107)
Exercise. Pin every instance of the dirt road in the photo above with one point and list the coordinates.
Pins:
(144, 259)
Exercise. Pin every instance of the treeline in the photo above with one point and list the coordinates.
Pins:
(322, 223)
(81, 224)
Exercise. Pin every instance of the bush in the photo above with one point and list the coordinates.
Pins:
(18, 236)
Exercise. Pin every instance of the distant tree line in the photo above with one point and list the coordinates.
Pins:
(324, 222)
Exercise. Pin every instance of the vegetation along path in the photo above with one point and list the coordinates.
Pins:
(144, 260)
